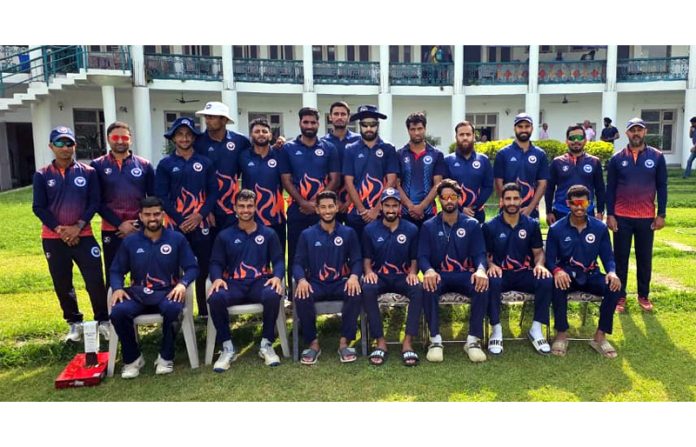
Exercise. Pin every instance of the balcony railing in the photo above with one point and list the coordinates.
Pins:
(346, 72)
(577, 72)
(183, 67)
(662, 69)
(109, 60)
(496, 73)
(421, 74)
(274, 71)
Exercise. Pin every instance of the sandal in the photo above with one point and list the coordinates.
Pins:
(604, 348)
(347, 354)
(435, 353)
(560, 347)
(378, 357)
(410, 358)
(540, 344)
(310, 356)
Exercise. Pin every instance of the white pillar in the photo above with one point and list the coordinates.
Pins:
(309, 99)
(689, 105)
(138, 60)
(308, 67)
(531, 107)
(109, 105)
(384, 68)
(385, 107)
(229, 97)
(612, 63)
(458, 111)
(41, 128)
(229, 92)
(458, 69)
(144, 145)
(532, 100)
(37, 67)
(610, 106)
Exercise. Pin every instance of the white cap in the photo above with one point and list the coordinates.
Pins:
(216, 108)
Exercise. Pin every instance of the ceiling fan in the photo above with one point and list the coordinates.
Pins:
(565, 100)
(185, 101)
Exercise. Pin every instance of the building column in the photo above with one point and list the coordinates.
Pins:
(5, 168)
(532, 100)
(37, 67)
(689, 105)
(458, 97)
(41, 129)
(144, 145)
(385, 97)
(229, 92)
(309, 96)
(138, 61)
(610, 97)
(109, 105)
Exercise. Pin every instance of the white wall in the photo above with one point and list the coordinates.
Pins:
(438, 113)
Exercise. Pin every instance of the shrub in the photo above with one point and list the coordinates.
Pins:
(553, 148)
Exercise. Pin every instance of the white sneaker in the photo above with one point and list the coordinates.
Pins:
(75, 333)
(268, 355)
(474, 351)
(224, 361)
(163, 366)
(104, 330)
(132, 370)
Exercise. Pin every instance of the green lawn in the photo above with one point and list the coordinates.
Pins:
(656, 351)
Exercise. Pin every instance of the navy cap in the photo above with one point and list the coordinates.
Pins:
(182, 121)
(390, 193)
(635, 122)
(367, 111)
(62, 132)
(523, 117)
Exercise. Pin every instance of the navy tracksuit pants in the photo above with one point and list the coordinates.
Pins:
(521, 281)
(398, 285)
(644, 235)
(202, 245)
(594, 284)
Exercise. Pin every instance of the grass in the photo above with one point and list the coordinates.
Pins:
(656, 351)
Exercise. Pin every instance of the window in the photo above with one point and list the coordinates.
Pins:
(281, 52)
(274, 119)
(407, 54)
(485, 124)
(317, 53)
(89, 133)
(661, 125)
(157, 49)
(197, 50)
(398, 53)
(362, 54)
(393, 54)
(245, 52)
(322, 53)
(352, 126)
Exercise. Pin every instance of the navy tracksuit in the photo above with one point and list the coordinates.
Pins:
(326, 261)
(417, 172)
(567, 170)
(513, 164)
(340, 145)
(454, 252)
(576, 253)
(155, 268)
(63, 197)
(391, 253)
(242, 259)
(511, 250)
(475, 176)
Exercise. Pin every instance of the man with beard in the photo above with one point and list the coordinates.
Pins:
(609, 133)
(222, 147)
(369, 166)
(154, 257)
(450, 248)
(390, 263)
(66, 196)
(572, 247)
(421, 168)
(340, 137)
(525, 164)
(125, 179)
(327, 266)
(472, 171)
(261, 173)
(635, 176)
(308, 166)
(575, 167)
(239, 270)
(513, 240)
(185, 182)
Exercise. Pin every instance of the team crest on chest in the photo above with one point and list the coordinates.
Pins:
(532, 159)
(230, 145)
(205, 231)
(427, 159)
(401, 239)
(522, 234)
(259, 239)
(587, 168)
(107, 171)
(80, 181)
(379, 153)
(197, 167)
(338, 241)
(565, 168)
(461, 232)
(272, 163)
(624, 163)
(319, 152)
(95, 252)
(166, 249)
(476, 164)
(136, 172)
(649, 164)
(590, 238)
(51, 183)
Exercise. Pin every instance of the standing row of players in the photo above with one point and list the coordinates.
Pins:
(198, 184)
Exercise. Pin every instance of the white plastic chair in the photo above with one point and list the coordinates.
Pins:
(187, 328)
(240, 309)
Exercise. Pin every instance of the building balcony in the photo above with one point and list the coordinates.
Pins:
(346, 73)
(109, 60)
(577, 72)
(658, 69)
(421, 74)
(183, 67)
(273, 71)
(496, 73)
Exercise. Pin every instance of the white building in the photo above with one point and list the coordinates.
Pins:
(88, 87)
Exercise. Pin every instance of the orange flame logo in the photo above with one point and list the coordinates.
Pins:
(451, 265)
(189, 203)
(582, 266)
(227, 187)
(369, 192)
(151, 281)
(529, 191)
(270, 204)
(515, 265)
(328, 273)
(245, 270)
(468, 193)
(310, 187)
(388, 268)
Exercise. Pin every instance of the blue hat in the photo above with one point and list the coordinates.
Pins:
(635, 122)
(367, 111)
(62, 132)
(523, 117)
(390, 193)
(182, 121)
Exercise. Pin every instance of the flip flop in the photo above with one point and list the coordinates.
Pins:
(410, 358)
(559, 347)
(378, 354)
(310, 356)
(495, 346)
(347, 355)
(539, 344)
(604, 348)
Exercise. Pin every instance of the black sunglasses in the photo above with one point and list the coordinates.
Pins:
(60, 143)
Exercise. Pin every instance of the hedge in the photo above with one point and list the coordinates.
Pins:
(553, 148)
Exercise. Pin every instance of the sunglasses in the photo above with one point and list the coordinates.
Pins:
(579, 202)
(449, 197)
(120, 138)
(369, 124)
(61, 143)
(577, 138)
